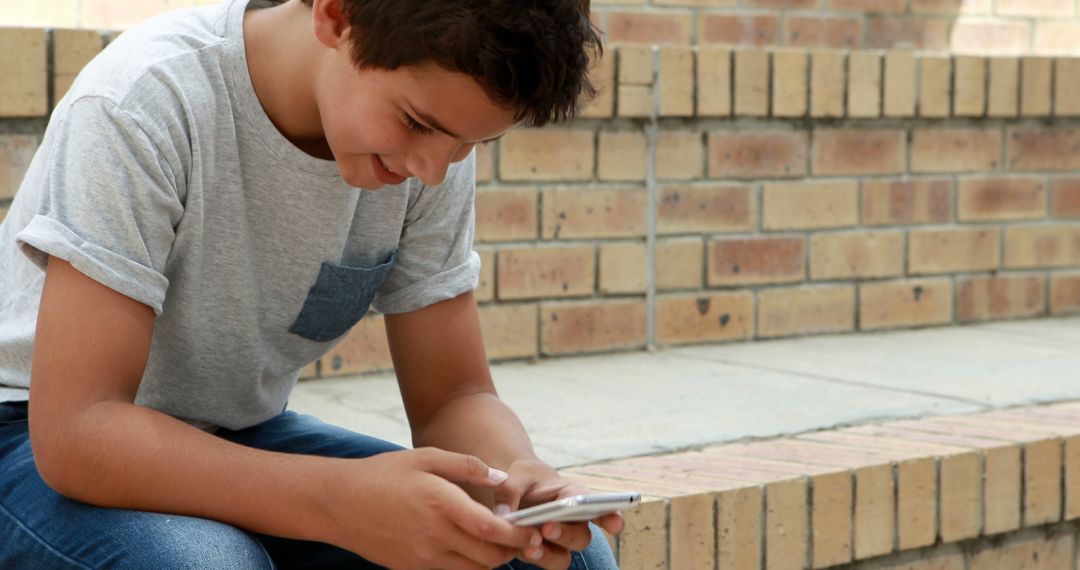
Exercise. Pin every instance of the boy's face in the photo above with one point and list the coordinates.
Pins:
(386, 126)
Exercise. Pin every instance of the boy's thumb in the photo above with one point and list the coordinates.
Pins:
(467, 469)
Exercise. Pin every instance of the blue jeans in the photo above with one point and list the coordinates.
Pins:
(42, 529)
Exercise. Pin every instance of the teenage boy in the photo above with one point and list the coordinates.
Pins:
(222, 194)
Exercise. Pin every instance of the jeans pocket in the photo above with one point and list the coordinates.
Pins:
(339, 299)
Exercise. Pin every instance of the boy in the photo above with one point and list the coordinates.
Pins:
(218, 199)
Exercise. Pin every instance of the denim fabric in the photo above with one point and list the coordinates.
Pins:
(42, 529)
(339, 299)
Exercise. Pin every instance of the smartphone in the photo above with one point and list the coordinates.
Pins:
(574, 509)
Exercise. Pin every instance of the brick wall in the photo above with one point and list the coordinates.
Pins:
(716, 194)
(1016, 27)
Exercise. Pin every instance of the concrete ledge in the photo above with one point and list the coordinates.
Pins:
(907, 488)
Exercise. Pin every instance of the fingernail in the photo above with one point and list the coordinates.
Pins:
(536, 554)
(496, 476)
(502, 509)
(554, 533)
(535, 540)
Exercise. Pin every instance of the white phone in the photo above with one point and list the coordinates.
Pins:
(574, 509)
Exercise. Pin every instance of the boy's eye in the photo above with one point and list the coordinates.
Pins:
(415, 126)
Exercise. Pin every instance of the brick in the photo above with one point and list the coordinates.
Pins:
(1065, 300)
(676, 81)
(1057, 38)
(758, 154)
(1000, 297)
(602, 76)
(955, 150)
(364, 349)
(875, 511)
(839, 152)
(935, 91)
(1042, 246)
(682, 319)
(1001, 199)
(623, 155)
(833, 502)
(705, 209)
(680, 155)
(823, 32)
(950, 7)
(790, 85)
(485, 289)
(916, 498)
(961, 497)
(893, 32)
(738, 29)
(643, 542)
(754, 261)
(970, 82)
(906, 202)
(1004, 95)
(509, 330)
(858, 255)
(628, 27)
(1037, 552)
(621, 268)
(569, 328)
(739, 521)
(1042, 482)
(16, 152)
(72, 50)
(904, 304)
(1066, 88)
(1035, 8)
(714, 88)
(827, 80)
(535, 272)
(953, 250)
(806, 205)
(506, 215)
(679, 263)
(806, 310)
(900, 84)
(1001, 37)
(1042, 148)
(24, 91)
(751, 83)
(864, 84)
(547, 154)
(1036, 77)
(635, 101)
(635, 65)
(894, 6)
(485, 162)
(571, 213)
(691, 534)
(310, 372)
(786, 525)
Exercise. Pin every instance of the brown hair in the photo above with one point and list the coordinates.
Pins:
(528, 55)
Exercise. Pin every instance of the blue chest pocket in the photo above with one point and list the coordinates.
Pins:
(339, 299)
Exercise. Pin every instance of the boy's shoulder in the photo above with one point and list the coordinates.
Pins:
(166, 67)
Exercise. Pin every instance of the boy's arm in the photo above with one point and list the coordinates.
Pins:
(93, 444)
(451, 403)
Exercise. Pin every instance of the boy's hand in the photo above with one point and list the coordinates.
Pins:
(533, 482)
(405, 510)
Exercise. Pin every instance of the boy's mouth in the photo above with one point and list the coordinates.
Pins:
(383, 172)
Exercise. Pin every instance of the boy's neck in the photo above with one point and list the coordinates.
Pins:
(283, 57)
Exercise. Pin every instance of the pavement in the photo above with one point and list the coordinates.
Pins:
(587, 409)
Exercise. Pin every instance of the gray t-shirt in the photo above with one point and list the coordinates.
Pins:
(161, 176)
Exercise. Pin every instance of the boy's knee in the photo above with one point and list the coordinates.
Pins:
(189, 543)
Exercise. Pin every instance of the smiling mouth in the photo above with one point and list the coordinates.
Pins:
(384, 173)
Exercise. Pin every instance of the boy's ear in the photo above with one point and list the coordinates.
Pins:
(331, 26)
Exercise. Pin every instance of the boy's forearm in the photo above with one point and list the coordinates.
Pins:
(479, 424)
(116, 454)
